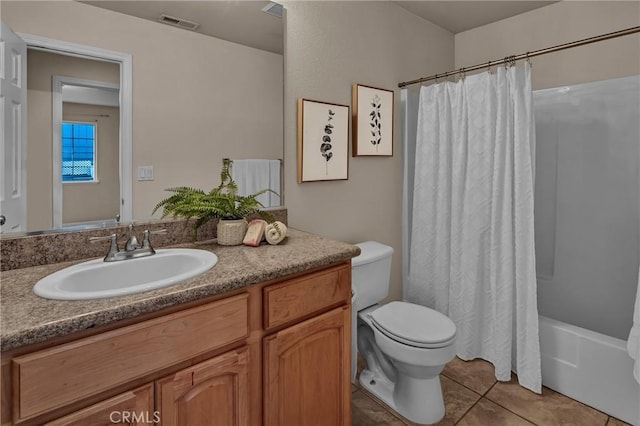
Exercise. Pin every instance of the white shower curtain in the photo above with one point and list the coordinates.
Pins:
(472, 245)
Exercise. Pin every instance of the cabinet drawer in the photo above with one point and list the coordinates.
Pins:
(57, 376)
(297, 298)
(136, 404)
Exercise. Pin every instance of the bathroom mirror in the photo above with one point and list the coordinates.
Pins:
(195, 101)
(74, 145)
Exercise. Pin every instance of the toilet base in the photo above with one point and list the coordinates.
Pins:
(420, 399)
(379, 386)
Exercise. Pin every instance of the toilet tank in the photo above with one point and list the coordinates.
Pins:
(370, 274)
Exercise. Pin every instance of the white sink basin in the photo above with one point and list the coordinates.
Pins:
(97, 279)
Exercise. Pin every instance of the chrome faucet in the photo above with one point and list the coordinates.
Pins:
(132, 248)
(132, 243)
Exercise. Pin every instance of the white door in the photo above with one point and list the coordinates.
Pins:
(13, 137)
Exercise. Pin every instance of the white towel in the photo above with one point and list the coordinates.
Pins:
(274, 183)
(633, 344)
(275, 232)
(254, 175)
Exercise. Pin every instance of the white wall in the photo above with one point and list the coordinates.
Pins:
(328, 47)
(196, 99)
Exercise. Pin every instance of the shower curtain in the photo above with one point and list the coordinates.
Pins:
(472, 241)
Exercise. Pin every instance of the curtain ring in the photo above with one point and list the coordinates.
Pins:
(461, 74)
(509, 61)
(436, 78)
(529, 59)
(489, 67)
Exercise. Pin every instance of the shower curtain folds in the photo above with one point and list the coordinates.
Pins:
(472, 245)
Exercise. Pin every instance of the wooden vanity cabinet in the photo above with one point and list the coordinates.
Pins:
(117, 410)
(213, 392)
(277, 353)
(52, 378)
(307, 365)
(307, 369)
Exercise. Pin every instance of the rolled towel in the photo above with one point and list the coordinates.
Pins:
(275, 232)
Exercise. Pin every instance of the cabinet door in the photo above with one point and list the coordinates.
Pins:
(214, 392)
(130, 408)
(306, 369)
(55, 377)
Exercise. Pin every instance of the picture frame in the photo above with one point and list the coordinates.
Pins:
(372, 121)
(323, 141)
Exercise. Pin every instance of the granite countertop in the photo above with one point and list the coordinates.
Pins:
(27, 319)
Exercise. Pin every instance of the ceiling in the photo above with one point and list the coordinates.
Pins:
(244, 22)
(241, 22)
(457, 16)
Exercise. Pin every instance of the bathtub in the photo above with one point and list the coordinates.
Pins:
(590, 367)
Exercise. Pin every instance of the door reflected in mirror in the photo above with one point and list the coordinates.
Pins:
(90, 163)
(13, 123)
(73, 157)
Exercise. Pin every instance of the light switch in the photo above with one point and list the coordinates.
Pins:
(145, 173)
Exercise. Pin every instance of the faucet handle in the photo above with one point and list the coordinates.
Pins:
(132, 242)
(112, 237)
(113, 248)
(146, 242)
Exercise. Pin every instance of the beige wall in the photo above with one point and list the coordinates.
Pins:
(196, 99)
(41, 67)
(328, 47)
(88, 201)
(560, 23)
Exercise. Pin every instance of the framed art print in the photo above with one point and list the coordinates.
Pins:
(372, 121)
(323, 141)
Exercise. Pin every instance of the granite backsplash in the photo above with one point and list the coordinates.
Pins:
(43, 249)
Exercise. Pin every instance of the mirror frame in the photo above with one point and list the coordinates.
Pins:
(126, 99)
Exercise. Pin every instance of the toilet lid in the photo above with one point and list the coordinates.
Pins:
(414, 325)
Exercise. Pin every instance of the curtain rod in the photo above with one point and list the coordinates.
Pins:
(225, 160)
(512, 59)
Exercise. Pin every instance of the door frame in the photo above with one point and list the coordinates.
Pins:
(57, 109)
(126, 120)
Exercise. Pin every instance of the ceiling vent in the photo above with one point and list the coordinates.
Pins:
(274, 9)
(178, 22)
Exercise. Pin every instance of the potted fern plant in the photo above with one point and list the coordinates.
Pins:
(222, 202)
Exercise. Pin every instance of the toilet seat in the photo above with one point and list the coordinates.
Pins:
(414, 325)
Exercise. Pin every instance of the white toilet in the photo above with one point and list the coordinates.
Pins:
(405, 346)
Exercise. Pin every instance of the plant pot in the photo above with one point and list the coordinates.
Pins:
(231, 232)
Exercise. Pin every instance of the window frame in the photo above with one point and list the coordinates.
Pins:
(95, 152)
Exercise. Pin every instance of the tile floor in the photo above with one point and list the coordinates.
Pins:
(473, 398)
